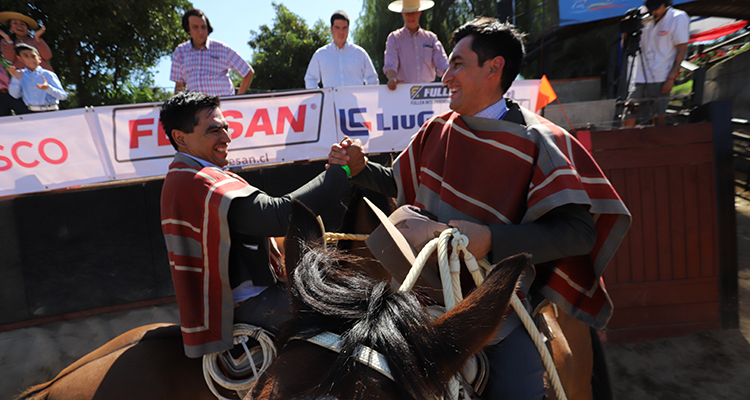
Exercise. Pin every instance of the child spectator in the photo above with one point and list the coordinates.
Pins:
(40, 89)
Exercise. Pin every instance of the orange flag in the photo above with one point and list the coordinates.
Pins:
(546, 94)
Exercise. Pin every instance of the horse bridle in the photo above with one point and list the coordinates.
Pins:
(363, 354)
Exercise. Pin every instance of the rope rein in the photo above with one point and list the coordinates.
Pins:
(241, 334)
(450, 269)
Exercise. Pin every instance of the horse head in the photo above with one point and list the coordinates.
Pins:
(330, 292)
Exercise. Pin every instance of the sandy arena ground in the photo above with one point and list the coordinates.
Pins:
(705, 365)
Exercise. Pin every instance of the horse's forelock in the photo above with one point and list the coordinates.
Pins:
(365, 311)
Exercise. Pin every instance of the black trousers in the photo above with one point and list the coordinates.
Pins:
(8, 103)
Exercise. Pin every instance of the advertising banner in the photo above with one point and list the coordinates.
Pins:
(264, 129)
(580, 11)
(48, 151)
(60, 149)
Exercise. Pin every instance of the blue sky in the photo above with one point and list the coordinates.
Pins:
(233, 20)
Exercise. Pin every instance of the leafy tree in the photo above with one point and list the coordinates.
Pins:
(282, 52)
(102, 49)
(376, 22)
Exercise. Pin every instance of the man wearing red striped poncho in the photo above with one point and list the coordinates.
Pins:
(217, 229)
(512, 182)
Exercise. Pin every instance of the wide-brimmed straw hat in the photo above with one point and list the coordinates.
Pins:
(396, 242)
(6, 16)
(410, 5)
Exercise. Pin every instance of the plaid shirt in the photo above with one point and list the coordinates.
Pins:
(207, 70)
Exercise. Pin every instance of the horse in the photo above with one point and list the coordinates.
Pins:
(333, 292)
(147, 362)
(575, 347)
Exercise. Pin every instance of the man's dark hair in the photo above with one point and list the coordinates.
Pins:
(340, 14)
(23, 46)
(181, 112)
(492, 38)
(652, 5)
(194, 12)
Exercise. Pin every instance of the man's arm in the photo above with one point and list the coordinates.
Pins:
(364, 173)
(390, 61)
(669, 83)
(371, 76)
(175, 75)
(264, 215)
(179, 87)
(439, 58)
(246, 81)
(312, 75)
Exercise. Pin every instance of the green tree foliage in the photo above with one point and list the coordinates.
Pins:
(282, 52)
(102, 49)
(376, 22)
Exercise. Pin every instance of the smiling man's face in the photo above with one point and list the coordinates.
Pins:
(209, 140)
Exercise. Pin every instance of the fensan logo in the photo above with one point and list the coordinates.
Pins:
(432, 92)
(353, 121)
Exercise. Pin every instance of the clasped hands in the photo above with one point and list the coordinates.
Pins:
(350, 152)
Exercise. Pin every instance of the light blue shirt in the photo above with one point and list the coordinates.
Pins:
(495, 111)
(33, 96)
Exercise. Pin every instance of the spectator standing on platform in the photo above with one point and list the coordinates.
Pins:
(20, 25)
(340, 63)
(40, 89)
(664, 40)
(9, 103)
(412, 54)
(203, 64)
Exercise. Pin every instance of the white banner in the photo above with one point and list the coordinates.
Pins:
(48, 151)
(66, 148)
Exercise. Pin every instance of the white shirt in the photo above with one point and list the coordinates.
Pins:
(658, 45)
(347, 66)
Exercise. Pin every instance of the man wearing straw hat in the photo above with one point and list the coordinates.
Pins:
(412, 54)
(512, 182)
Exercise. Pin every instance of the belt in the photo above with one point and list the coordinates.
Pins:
(3, 90)
(44, 108)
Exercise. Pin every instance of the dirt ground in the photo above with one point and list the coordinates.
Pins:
(705, 365)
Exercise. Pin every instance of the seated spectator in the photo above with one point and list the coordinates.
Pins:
(9, 103)
(20, 25)
(39, 88)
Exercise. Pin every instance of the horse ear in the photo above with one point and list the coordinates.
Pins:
(471, 324)
(303, 227)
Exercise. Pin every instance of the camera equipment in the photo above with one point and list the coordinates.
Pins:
(632, 23)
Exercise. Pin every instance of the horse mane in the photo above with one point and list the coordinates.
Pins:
(333, 294)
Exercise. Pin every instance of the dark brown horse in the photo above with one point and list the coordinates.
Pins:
(576, 348)
(147, 362)
(330, 292)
